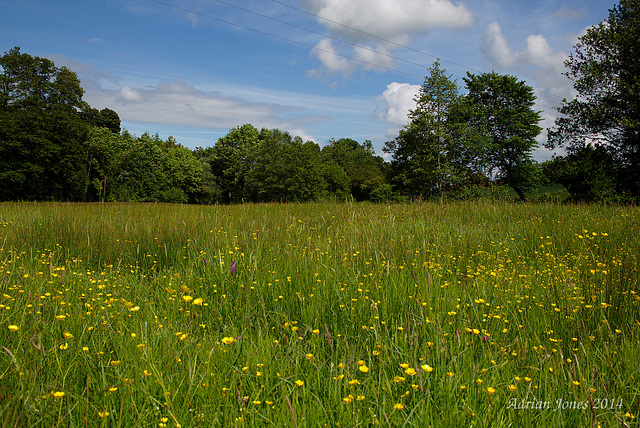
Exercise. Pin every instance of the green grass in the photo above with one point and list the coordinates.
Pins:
(466, 314)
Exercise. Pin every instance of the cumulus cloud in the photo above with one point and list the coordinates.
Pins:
(360, 57)
(394, 104)
(388, 19)
(537, 56)
(378, 26)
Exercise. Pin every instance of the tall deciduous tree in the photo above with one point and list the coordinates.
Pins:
(606, 74)
(420, 154)
(42, 153)
(501, 112)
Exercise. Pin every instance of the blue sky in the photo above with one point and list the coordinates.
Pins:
(319, 69)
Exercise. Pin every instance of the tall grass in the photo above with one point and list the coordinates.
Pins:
(465, 314)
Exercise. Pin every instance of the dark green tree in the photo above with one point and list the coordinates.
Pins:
(421, 154)
(605, 72)
(42, 134)
(501, 114)
(359, 162)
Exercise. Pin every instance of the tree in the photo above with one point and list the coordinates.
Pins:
(420, 154)
(501, 111)
(42, 135)
(360, 164)
(606, 113)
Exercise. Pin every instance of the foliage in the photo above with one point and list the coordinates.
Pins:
(606, 113)
(501, 111)
(423, 155)
(42, 134)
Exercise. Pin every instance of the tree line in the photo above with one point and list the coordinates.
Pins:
(458, 142)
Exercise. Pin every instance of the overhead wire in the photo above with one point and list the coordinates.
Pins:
(332, 52)
(285, 38)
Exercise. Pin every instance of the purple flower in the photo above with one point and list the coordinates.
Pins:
(232, 269)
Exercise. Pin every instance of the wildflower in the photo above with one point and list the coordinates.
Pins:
(427, 368)
(113, 389)
(299, 382)
(198, 301)
(64, 346)
(85, 348)
(134, 309)
(347, 400)
(13, 327)
(103, 414)
(61, 317)
(67, 335)
(363, 369)
(256, 402)
(491, 390)
(512, 388)
(232, 268)
(398, 406)
(478, 381)
(228, 340)
(398, 379)
(410, 371)
(58, 394)
(115, 363)
(187, 298)
(354, 382)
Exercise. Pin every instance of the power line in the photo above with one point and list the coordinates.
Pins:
(332, 38)
(400, 45)
(284, 38)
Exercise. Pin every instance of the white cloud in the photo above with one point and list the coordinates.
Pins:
(389, 19)
(496, 47)
(360, 57)
(394, 104)
(128, 95)
(331, 61)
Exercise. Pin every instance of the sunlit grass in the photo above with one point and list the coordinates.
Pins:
(305, 315)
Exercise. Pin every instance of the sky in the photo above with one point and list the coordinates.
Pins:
(319, 69)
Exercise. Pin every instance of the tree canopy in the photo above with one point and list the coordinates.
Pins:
(605, 72)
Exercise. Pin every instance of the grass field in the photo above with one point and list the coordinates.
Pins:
(304, 315)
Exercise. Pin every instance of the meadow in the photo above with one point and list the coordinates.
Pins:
(319, 314)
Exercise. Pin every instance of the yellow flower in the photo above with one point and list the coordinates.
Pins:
(299, 382)
(404, 365)
(13, 327)
(398, 406)
(64, 346)
(115, 363)
(354, 382)
(228, 340)
(146, 373)
(363, 369)
(58, 394)
(491, 390)
(103, 414)
(512, 388)
(347, 400)
(113, 389)
(198, 301)
(85, 348)
(187, 298)
(398, 379)
(338, 377)
(256, 402)
(67, 335)
(61, 317)
(427, 368)
(478, 381)
(410, 371)
(134, 309)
